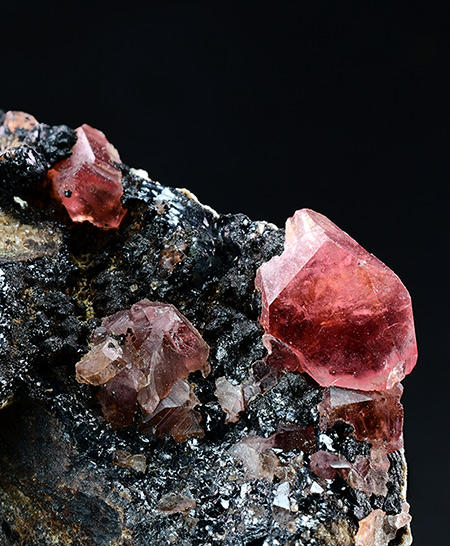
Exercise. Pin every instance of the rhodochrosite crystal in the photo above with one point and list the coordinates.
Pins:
(346, 316)
(140, 356)
(88, 183)
(282, 460)
(377, 417)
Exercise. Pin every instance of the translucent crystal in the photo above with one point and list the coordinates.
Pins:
(89, 183)
(345, 315)
(141, 356)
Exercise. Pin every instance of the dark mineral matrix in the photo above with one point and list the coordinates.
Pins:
(169, 375)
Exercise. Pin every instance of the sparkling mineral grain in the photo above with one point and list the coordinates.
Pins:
(346, 316)
(89, 183)
(141, 356)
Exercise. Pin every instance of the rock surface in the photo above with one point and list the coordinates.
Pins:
(68, 477)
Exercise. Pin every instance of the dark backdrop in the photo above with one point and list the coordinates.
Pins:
(267, 108)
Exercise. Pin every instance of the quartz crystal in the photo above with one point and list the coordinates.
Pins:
(345, 315)
(141, 356)
(89, 183)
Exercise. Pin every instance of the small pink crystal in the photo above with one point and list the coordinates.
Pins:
(367, 474)
(140, 357)
(345, 315)
(379, 529)
(377, 417)
(175, 415)
(235, 398)
(14, 123)
(88, 183)
(255, 453)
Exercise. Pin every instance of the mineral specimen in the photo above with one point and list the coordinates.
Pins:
(377, 417)
(379, 529)
(253, 453)
(89, 183)
(235, 398)
(141, 356)
(346, 316)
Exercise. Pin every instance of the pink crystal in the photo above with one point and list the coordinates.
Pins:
(139, 357)
(88, 183)
(13, 124)
(256, 452)
(257, 457)
(379, 529)
(175, 414)
(345, 315)
(377, 417)
(367, 474)
(235, 398)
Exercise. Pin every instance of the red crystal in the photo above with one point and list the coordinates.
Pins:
(139, 357)
(377, 417)
(88, 183)
(346, 316)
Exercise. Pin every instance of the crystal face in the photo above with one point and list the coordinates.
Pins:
(346, 316)
(281, 459)
(141, 357)
(377, 417)
(88, 183)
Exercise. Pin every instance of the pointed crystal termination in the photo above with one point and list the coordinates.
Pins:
(346, 316)
(141, 357)
(88, 183)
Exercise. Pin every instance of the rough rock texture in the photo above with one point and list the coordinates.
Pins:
(68, 477)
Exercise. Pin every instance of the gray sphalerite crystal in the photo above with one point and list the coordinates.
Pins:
(264, 456)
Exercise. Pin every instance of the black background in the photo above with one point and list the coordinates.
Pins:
(270, 107)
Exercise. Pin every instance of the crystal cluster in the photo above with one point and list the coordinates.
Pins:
(296, 435)
(334, 311)
(345, 315)
(89, 183)
(142, 357)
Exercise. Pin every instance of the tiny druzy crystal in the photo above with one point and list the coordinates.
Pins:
(346, 316)
(89, 183)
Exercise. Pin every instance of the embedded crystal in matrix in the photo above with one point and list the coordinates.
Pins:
(141, 356)
(346, 316)
(89, 182)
